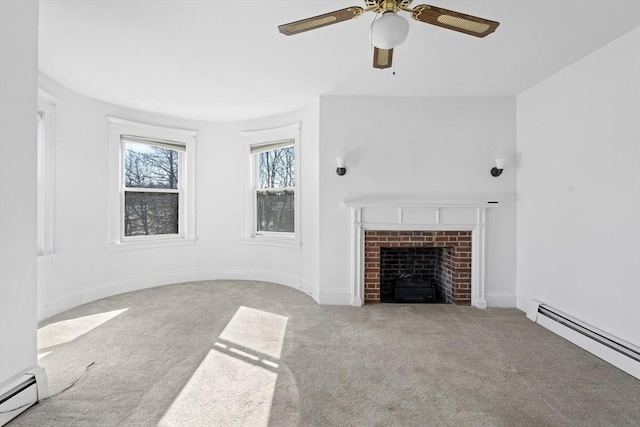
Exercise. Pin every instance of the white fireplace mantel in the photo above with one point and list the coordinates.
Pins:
(379, 213)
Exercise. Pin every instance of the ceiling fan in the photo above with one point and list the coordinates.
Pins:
(390, 30)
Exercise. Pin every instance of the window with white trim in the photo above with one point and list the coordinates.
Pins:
(46, 174)
(151, 179)
(272, 202)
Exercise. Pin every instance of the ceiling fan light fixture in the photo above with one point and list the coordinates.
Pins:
(389, 31)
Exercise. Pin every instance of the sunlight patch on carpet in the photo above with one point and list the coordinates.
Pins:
(68, 330)
(43, 355)
(258, 330)
(236, 381)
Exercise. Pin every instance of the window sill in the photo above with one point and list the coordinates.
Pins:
(150, 244)
(283, 242)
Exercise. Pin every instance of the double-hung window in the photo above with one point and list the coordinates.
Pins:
(152, 186)
(275, 186)
(151, 175)
(272, 202)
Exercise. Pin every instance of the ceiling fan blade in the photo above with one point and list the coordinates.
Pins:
(455, 21)
(320, 21)
(382, 58)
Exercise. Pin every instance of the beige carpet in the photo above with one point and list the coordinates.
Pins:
(237, 353)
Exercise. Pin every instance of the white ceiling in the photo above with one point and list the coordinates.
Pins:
(225, 60)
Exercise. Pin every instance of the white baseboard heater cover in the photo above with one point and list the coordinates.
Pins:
(619, 353)
(18, 395)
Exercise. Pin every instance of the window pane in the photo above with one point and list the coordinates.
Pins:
(150, 213)
(276, 168)
(146, 166)
(275, 211)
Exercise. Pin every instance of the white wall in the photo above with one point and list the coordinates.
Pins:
(437, 149)
(83, 268)
(18, 105)
(579, 190)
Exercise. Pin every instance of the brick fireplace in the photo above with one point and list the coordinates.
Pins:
(456, 229)
(442, 257)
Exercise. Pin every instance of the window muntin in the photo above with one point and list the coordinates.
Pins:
(152, 191)
(275, 184)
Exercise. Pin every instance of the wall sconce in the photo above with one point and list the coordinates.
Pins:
(341, 166)
(497, 170)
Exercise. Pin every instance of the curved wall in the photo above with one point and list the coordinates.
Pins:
(433, 148)
(82, 267)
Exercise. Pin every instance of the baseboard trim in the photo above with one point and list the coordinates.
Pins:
(310, 289)
(500, 299)
(104, 290)
(335, 297)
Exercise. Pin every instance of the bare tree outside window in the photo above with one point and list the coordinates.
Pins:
(151, 199)
(275, 190)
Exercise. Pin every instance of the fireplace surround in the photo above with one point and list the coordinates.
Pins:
(433, 223)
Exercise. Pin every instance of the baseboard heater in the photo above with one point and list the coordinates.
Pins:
(619, 353)
(18, 395)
